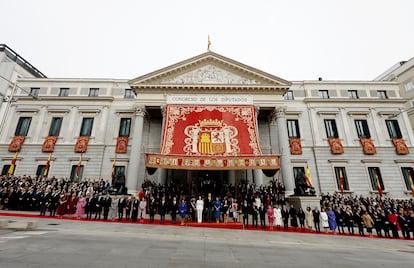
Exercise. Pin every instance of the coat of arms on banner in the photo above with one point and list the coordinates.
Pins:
(211, 137)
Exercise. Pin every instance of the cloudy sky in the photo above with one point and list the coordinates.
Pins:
(294, 39)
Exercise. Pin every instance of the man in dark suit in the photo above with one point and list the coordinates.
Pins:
(174, 210)
(106, 204)
(285, 217)
(135, 208)
(44, 202)
(54, 200)
(255, 213)
(262, 213)
(208, 207)
(245, 209)
(121, 206)
(316, 219)
(162, 209)
(98, 206)
(152, 208)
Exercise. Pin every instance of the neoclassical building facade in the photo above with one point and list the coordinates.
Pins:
(211, 119)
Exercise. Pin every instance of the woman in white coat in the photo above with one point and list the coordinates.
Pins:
(199, 207)
(309, 219)
(324, 220)
(277, 214)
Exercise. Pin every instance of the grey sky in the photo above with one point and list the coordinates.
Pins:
(294, 39)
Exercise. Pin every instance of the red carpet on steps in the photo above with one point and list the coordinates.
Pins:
(221, 225)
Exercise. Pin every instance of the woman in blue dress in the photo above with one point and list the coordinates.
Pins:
(331, 219)
(183, 210)
(217, 209)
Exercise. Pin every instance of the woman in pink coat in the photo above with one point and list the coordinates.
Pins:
(270, 217)
(80, 207)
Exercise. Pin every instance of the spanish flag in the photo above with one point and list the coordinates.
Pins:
(208, 43)
(79, 167)
(13, 164)
(113, 168)
(341, 181)
(377, 181)
(411, 182)
(47, 166)
(308, 177)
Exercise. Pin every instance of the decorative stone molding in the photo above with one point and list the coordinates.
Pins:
(210, 74)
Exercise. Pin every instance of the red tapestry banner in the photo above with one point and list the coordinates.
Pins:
(49, 144)
(400, 146)
(210, 130)
(81, 144)
(336, 146)
(212, 163)
(295, 146)
(121, 145)
(368, 146)
(16, 143)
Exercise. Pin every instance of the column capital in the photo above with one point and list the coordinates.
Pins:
(140, 111)
(280, 111)
(163, 109)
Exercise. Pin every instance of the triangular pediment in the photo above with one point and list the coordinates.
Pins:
(209, 69)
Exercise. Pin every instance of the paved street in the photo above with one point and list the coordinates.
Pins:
(66, 243)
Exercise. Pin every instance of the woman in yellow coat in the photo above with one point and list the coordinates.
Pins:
(368, 222)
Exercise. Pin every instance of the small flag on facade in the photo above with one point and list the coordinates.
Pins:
(308, 177)
(379, 188)
(113, 169)
(13, 164)
(47, 166)
(411, 183)
(79, 167)
(341, 181)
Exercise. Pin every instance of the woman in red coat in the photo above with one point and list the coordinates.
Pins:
(72, 202)
(62, 205)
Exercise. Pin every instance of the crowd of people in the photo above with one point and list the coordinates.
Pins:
(254, 206)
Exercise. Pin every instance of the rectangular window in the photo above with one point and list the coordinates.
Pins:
(289, 95)
(341, 172)
(393, 129)
(64, 92)
(353, 94)
(293, 128)
(55, 126)
(125, 127)
(73, 176)
(34, 92)
(23, 126)
(323, 94)
(86, 128)
(93, 92)
(40, 171)
(362, 129)
(5, 169)
(409, 86)
(374, 176)
(382, 94)
(129, 94)
(408, 174)
(331, 130)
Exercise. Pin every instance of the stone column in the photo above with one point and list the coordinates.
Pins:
(136, 151)
(162, 172)
(41, 125)
(249, 176)
(232, 177)
(285, 165)
(258, 177)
